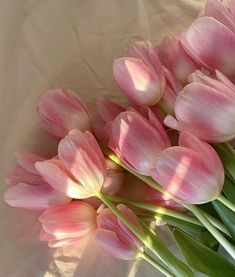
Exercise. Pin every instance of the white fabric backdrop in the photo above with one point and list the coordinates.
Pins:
(71, 44)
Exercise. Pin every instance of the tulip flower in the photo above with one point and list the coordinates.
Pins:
(61, 111)
(27, 188)
(114, 237)
(199, 39)
(206, 108)
(191, 172)
(137, 141)
(80, 170)
(67, 225)
(173, 56)
(163, 200)
(107, 111)
(140, 74)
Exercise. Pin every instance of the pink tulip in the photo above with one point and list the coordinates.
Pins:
(28, 190)
(114, 237)
(107, 111)
(67, 225)
(61, 111)
(199, 39)
(80, 170)
(206, 108)
(140, 74)
(163, 200)
(191, 172)
(175, 59)
(137, 140)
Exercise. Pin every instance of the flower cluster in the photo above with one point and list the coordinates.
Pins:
(180, 113)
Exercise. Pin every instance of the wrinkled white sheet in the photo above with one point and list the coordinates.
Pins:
(71, 44)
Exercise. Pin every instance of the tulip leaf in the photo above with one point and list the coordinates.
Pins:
(208, 240)
(202, 258)
(227, 216)
(227, 158)
(229, 189)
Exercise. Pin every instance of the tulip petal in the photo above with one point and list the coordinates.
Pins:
(34, 197)
(18, 175)
(108, 109)
(111, 243)
(54, 173)
(138, 81)
(113, 181)
(219, 55)
(140, 143)
(82, 156)
(27, 160)
(186, 176)
(98, 128)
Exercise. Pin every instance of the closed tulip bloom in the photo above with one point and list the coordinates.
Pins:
(216, 24)
(27, 188)
(114, 237)
(140, 74)
(67, 225)
(80, 170)
(191, 172)
(206, 108)
(173, 56)
(137, 140)
(61, 111)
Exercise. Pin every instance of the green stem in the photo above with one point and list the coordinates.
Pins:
(154, 263)
(215, 222)
(228, 147)
(226, 202)
(155, 209)
(217, 235)
(178, 267)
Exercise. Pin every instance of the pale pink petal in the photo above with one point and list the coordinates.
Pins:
(61, 111)
(98, 128)
(205, 151)
(27, 160)
(219, 55)
(74, 220)
(60, 179)
(186, 176)
(64, 242)
(113, 181)
(109, 241)
(138, 81)
(82, 156)
(108, 109)
(18, 175)
(217, 10)
(34, 197)
(136, 140)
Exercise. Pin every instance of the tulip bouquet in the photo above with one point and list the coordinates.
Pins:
(173, 134)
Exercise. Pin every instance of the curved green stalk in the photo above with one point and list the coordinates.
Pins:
(227, 146)
(157, 265)
(226, 202)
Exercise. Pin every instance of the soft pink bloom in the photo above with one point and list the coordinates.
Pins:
(114, 237)
(173, 56)
(137, 140)
(107, 111)
(210, 39)
(28, 190)
(61, 111)
(67, 225)
(191, 172)
(80, 170)
(140, 74)
(163, 200)
(206, 108)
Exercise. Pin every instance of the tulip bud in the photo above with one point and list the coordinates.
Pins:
(140, 74)
(67, 225)
(137, 140)
(61, 111)
(175, 59)
(206, 108)
(114, 237)
(191, 172)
